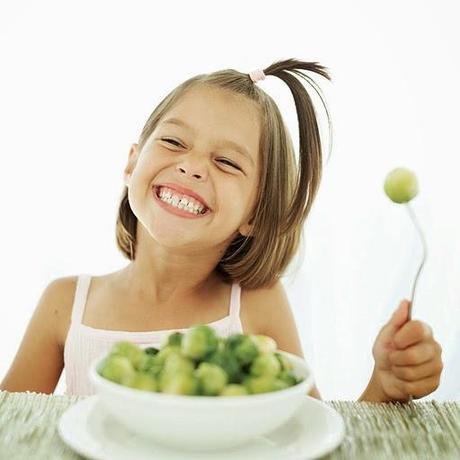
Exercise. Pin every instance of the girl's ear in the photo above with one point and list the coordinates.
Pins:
(132, 159)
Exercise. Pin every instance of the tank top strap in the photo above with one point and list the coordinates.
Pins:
(235, 302)
(81, 293)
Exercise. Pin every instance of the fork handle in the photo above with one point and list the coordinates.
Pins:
(425, 252)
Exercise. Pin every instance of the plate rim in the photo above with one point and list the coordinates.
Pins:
(90, 401)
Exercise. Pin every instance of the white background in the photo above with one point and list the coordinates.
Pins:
(79, 79)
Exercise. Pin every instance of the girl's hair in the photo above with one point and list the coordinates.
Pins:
(286, 188)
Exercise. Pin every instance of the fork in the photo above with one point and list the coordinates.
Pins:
(425, 252)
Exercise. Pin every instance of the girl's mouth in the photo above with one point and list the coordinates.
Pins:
(174, 209)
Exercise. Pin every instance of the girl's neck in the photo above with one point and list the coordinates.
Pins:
(159, 290)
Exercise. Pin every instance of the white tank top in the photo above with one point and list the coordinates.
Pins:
(84, 343)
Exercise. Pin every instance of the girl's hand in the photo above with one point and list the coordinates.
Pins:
(407, 358)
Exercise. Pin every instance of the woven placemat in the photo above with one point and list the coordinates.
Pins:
(28, 426)
(424, 430)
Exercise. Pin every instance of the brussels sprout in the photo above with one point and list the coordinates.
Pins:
(175, 363)
(286, 365)
(151, 351)
(221, 344)
(167, 350)
(288, 377)
(142, 381)
(199, 342)
(212, 378)
(150, 365)
(234, 389)
(128, 350)
(175, 339)
(118, 369)
(401, 185)
(264, 343)
(267, 365)
(179, 384)
(228, 362)
(243, 348)
(279, 384)
(263, 384)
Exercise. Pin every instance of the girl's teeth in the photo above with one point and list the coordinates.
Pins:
(193, 208)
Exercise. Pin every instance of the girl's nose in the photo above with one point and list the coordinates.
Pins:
(195, 174)
(197, 169)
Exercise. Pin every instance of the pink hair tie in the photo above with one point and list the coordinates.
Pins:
(257, 75)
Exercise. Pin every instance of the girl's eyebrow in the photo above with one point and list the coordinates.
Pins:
(238, 148)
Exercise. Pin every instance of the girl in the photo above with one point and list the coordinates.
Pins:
(210, 219)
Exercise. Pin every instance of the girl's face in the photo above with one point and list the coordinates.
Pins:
(207, 143)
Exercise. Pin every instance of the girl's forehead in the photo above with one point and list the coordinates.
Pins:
(214, 101)
(202, 108)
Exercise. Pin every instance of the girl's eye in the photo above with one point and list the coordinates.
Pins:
(229, 163)
(178, 144)
(172, 141)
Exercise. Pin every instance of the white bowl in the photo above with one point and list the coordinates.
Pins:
(202, 422)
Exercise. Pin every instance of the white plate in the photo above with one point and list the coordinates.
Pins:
(314, 431)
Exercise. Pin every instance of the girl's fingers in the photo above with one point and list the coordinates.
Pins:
(411, 333)
(420, 387)
(418, 372)
(414, 355)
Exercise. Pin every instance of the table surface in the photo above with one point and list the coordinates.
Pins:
(421, 430)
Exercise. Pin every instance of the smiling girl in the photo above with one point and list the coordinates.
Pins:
(210, 218)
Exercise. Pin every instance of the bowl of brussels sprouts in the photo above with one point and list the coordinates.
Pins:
(199, 391)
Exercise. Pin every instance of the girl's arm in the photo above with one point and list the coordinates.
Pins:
(39, 361)
(270, 306)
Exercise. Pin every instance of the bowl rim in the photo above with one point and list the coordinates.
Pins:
(166, 398)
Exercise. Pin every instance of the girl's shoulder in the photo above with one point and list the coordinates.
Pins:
(267, 311)
(256, 306)
(64, 293)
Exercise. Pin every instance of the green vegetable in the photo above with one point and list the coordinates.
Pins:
(199, 342)
(288, 377)
(286, 365)
(175, 363)
(243, 348)
(129, 350)
(264, 343)
(149, 364)
(262, 384)
(142, 381)
(146, 362)
(199, 362)
(212, 378)
(401, 185)
(228, 362)
(175, 339)
(266, 365)
(166, 351)
(118, 369)
(152, 351)
(179, 384)
(234, 389)
(279, 384)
